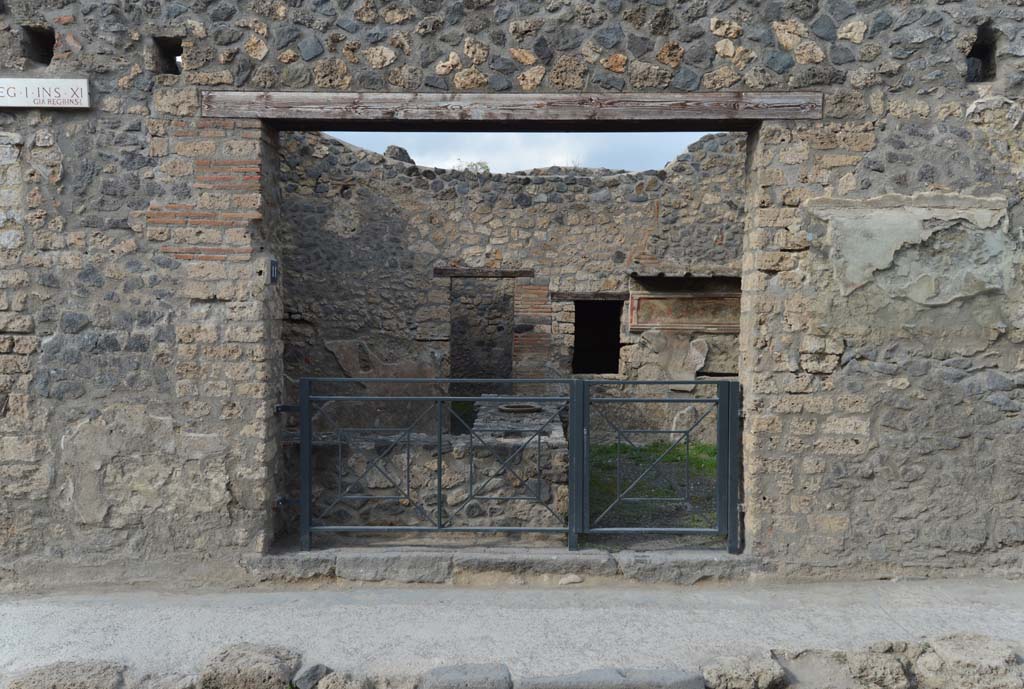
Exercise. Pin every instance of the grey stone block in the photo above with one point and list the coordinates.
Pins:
(69, 675)
(399, 153)
(475, 676)
(250, 666)
(407, 567)
(683, 567)
(612, 678)
(532, 561)
(311, 676)
(986, 381)
(807, 668)
(310, 47)
(969, 661)
(686, 80)
(74, 322)
(290, 567)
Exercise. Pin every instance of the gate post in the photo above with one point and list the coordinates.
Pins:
(724, 458)
(729, 468)
(305, 466)
(735, 470)
(577, 455)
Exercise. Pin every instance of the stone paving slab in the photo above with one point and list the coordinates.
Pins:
(538, 632)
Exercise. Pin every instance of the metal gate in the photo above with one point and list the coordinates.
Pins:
(583, 457)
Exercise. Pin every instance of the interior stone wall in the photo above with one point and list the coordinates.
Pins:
(137, 321)
(365, 233)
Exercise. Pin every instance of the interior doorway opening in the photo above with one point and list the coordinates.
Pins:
(596, 341)
(481, 338)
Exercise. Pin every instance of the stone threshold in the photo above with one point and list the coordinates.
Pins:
(502, 565)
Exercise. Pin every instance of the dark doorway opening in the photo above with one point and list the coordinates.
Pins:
(596, 343)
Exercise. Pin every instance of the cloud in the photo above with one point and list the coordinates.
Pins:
(507, 152)
(516, 151)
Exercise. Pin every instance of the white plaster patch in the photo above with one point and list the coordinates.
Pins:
(866, 235)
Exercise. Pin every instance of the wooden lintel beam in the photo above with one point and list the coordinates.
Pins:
(464, 110)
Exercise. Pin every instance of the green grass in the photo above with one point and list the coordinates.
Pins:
(703, 456)
(703, 465)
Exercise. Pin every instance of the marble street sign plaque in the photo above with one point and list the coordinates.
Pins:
(16, 92)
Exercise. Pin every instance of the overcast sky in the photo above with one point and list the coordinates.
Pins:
(510, 152)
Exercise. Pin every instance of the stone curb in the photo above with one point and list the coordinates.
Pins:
(478, 676)
(71, 675)
(251, 666)
(448, 565)
(612, 678)
(290, 567)
(965, 661)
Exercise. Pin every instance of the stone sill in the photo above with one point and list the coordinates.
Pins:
(502, 566)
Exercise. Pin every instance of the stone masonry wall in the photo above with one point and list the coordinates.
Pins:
(883, 311)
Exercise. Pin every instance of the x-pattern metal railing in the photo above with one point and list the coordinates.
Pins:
(505, 466)
(681, 492)
(403, 436)
(497, 458)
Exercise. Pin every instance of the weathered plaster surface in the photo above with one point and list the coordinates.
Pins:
(898, 379)
(867, 235)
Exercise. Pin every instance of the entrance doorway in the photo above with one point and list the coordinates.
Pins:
(319, 111)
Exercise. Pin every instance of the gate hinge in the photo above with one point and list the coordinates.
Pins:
(286, 409)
